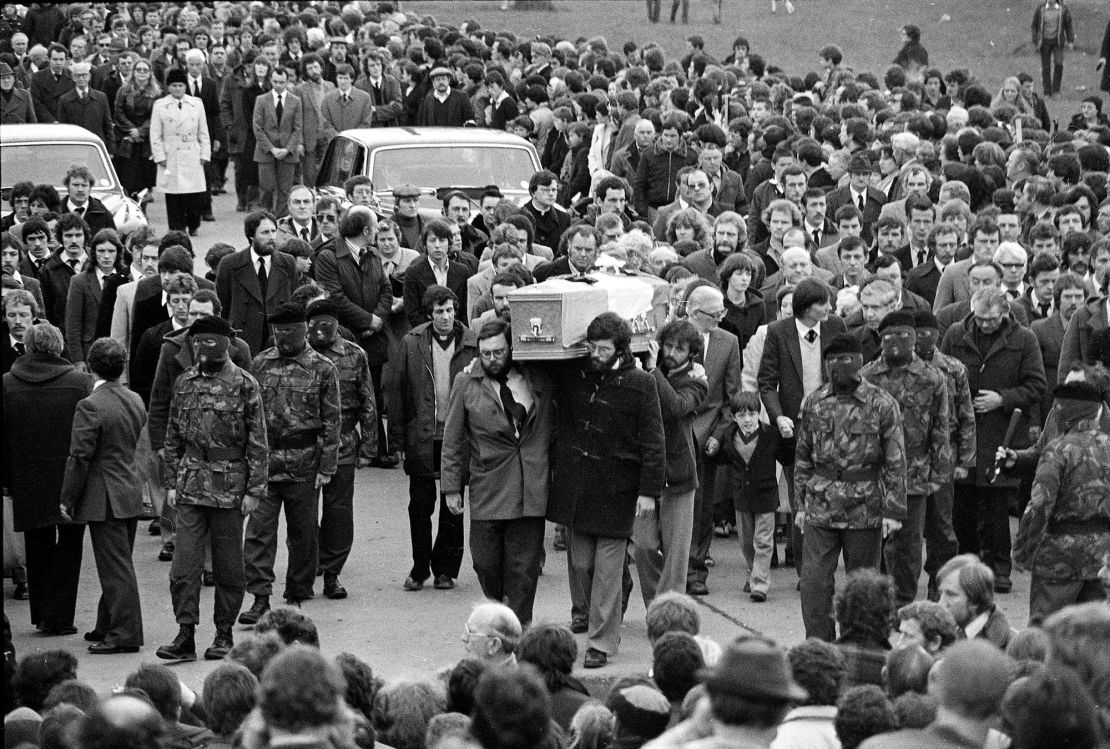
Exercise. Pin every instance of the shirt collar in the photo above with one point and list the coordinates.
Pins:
(442, 98)
(802, 329)
(976, 625)
(255, 257)
(98, 383)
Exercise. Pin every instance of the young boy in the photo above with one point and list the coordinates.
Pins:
(751, 449)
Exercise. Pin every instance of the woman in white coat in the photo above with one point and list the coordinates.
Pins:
(179, 145)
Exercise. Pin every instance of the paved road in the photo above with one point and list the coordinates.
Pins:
(399, 632)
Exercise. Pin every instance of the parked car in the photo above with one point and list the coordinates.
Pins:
(42, 154)
(434, 159)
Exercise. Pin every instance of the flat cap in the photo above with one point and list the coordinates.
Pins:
(406, 191)
(5, 69)
(440, 70)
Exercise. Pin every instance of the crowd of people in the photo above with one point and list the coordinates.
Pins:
(886, 332)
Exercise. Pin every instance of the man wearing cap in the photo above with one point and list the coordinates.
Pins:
(406, 214)
(358, 440)
(300, 390)
(922, 395)
(180, 146)
(745, 711)
(443, 106)
(216, 468)
(1065, 530)
(859, 192)
(279, 141)
(849, 478)
(940, 536)
(15, 104)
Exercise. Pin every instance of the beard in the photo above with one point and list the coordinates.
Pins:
(498, 369)
(598, 364)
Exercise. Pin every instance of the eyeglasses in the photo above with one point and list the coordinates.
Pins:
(330, 217)
(1012, 266)
(493, 355)
(718, 316)
(468, 633)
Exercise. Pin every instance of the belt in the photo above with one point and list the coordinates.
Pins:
(1066, 527)
(214, 453)
(296, 441)
(861, 473)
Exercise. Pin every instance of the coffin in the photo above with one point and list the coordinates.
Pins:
(549, 319)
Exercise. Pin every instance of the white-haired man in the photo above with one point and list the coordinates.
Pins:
(492, 634)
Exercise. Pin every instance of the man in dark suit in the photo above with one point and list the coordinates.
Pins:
(868, 200)
(102, 488)
(111, 77)
(1038, 298)
(1067, 297)
(943, 241)
(791, 367)
(433, 268)
(150, 304)
(10, 262)
(279, 142)
(73, 235)
(49, 84)
(79, 200)
(384, 89)
(86, 107)
(208, 91)
(254, 282)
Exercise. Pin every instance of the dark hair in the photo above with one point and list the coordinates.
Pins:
(216, 253)
(300, 689)
(254, 220)
(47, 195)
(355, 223)
(290, 625)
(1050, 708)
(436, 295)
(256, 651)
(907, 670)
(362, 685)
(21, 189)
(611, 182)
(863, 712)
(161, 685)
(807, 293)
(865, 604)
(68, 221)
(976, 580)
(462, 683)
(71, 692)
(437, 227)
(496, 328)
(175, 259)
(176, 237)
(351, 183)
(609, 326)
(228, 697)
(550, 648)
(734, 710)
(512, 709)
(933, 618)
(34, 226)
(682, 331)
(676, 659)
(38, 673)
(542, 178)
(819, 668)
(98, 731)
(110, 236)
(106, 358)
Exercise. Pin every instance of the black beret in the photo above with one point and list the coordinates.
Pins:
(923, 318)
(899, 317)
(844, 344)
(1078, 391)
(322, 307)
(288, 313)
(212, 325)
(176, 75)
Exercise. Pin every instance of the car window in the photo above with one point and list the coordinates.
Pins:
(49, 162)
(452, 166)
(345, 158)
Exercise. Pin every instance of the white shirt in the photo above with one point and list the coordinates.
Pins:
(519, 387)
(100, 276)
(73, 207)
(940, 266)
(355, 250)
(279, 99)
(975, 626)
(194, 86)
(266, 259)
(80, 259)
(1019, 290)
(811, 357)
(856, 196)
(440, 273)
(441, 97)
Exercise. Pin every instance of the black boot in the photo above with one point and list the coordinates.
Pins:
(183, 647)
(221, 646)
(252, 615)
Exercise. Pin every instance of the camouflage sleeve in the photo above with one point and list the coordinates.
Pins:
(174, 445)
(368, 411)
(963, 410)
(940, 443)
(1046, 490)
(803, 455)
(893, 472)
(258, 450)
(331, 415)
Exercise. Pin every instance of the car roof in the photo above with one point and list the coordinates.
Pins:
(401, 136)
(46, 133)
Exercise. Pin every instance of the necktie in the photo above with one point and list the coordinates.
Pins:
(262, 278)
(179, 104)
(817, 237)
(1046, 309)
(920, 257)
(280, 108)
(304, 234)
(73, 264)
(1012, 293)
(513, 409)
(861, 203)
(80, 211)
(811, 336)
(20, 349)
(345, 98)
(196, 87)
(377, 92)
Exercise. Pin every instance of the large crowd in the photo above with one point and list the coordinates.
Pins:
(882, 330)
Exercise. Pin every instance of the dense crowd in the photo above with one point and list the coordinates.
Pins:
(883, 327)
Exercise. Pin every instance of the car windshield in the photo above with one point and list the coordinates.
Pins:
(48, 163)
(440, 166)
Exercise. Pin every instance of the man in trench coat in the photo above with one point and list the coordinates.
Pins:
(180, 146)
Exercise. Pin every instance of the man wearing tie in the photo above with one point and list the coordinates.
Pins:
(279, 142)
(47, 86)
(384, 90)
(868, 200)
(86, 107)
(73, 234)
(1011, 257)
(346, 107)
(180, 146)
(79, 182)
(207, 91)
(791, 367)
(301, 221)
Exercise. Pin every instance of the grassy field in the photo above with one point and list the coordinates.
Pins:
(989, 37)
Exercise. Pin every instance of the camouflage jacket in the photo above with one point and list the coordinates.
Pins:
(961, 409)
(1072, 486)
(356, 399)
(922, 394)
(216, 451)
(838, 433)
(301, 394)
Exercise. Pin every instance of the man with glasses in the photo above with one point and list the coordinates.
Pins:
(498, 432)
(986, 274)
(327, 219)
(1006, 372)
(491, 634)
(1012, 258)
(86, 107)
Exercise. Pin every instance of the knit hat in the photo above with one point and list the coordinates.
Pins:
(212, 325)
(641, 710)
(322, 307)
(288, 313)
(843, 344)
(176, 75)
(901, 318)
